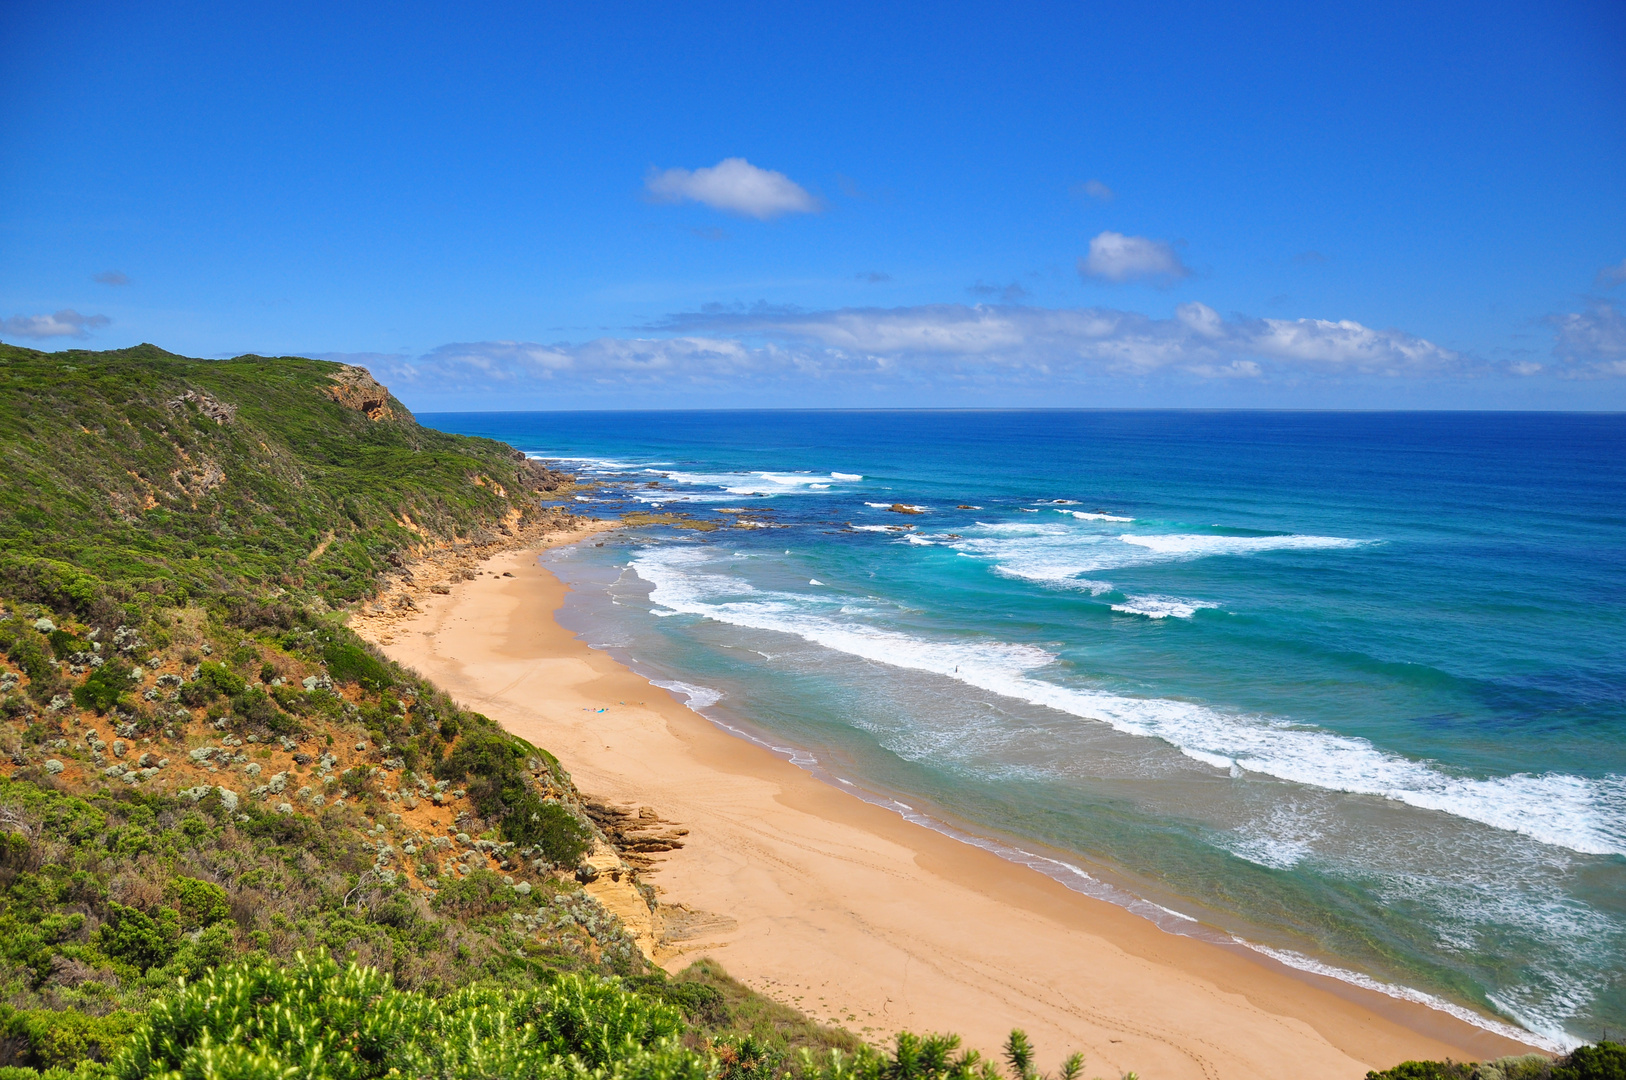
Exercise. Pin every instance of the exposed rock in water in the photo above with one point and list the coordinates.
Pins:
(905, 508)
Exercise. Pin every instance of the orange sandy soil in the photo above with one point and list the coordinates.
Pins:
(406, 814)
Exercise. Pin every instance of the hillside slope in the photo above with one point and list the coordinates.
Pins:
(166, 477)
(199, 761)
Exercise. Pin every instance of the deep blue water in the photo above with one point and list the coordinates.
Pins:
(1350, 687)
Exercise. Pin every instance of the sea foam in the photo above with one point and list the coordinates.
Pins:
(695, 697)
(1189, 546)
(1086, 515)
(1583, 814)
(1161, 607)
(1057, 554)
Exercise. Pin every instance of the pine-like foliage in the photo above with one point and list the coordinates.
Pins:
(317, 1019)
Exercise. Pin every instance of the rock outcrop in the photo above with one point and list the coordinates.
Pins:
(355, 388)
(212, 407)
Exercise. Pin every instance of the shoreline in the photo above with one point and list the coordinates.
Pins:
(1088, 881)
(858, 916)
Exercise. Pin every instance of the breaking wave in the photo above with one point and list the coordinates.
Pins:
(1574, 812)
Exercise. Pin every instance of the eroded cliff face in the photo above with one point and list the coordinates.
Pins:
(355, 388)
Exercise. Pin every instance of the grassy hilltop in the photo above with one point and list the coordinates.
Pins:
(166, 478)
(237, 843)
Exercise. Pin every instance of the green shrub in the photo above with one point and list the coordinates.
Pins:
(562, 838)
(701, 1003)
(348, 662)
(493, 765)
(55, 584)
(314, 1019)
(913, 1057)
(595, 1020)
(63, 1039)
(355, 781)
(199, 903)
(212, 946)
(65, 644)
(103, 688)
(480, 893)
(136, 938)
(220, 678)
(255, 706)
(195, 694)
(1605, 1061)
(29, 650)
(17, 856)
(1425, 1070)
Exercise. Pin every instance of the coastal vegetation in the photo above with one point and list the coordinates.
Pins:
(1603, 1061)
(238, 842)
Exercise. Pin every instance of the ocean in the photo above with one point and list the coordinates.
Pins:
(1346, 688)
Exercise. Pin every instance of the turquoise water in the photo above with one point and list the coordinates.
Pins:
(1350, 688)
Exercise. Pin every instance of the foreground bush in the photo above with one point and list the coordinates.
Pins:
(318, 1020)
(1604, 1061)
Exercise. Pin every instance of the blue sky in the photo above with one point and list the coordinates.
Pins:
(559, 206)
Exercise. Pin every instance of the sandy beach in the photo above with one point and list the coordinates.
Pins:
(856, 916)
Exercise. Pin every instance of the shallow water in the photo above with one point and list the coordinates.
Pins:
(1351, 687)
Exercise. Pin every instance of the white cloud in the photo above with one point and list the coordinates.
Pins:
(1593, 341)
(1197, 340)
(958, 353)
(1010, 345)
(1611, 276)
(607, 364)
(1201, 319)
(1236, 369)
(734, 185)
(112, 277)
(1346, 344)
(1094, 189)
(1116, 257)
(65, 323)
